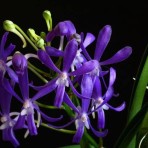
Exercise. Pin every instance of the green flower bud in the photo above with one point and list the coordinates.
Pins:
(48, 19)
(33, 36)
(8, 25)
(11, 27)
(37, 40)
(43, 35)
(40, 43)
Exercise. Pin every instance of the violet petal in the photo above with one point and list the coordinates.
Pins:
(101, 118)
(44, 91)
(97, 89)
(88, 39)
(69, 54)
(53, 51)
(9, 50)
(8, 135)
(23, 83)
(121, 55)
(59, 95)
(2, 45)
(83, 48)
(5, 100)
(97, 133)
(119, 108)
(79, 133)
(102, 41)
(31, 124)
(51, 82)
(112, 77)
(59, 30)
(68, 101)
(76, 92)
(49, 119)
(8, 87)
(71, 29)
(46, 60)
(12, 74)
(85, 68)
(20, 123)
(86, 90)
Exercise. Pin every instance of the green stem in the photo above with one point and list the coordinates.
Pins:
(90, 139)
(26, 37)
(59, 130)
(37, 74)
(100, 142)
(39, 70)
(47, 106)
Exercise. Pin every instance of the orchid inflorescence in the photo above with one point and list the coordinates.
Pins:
(80, 82)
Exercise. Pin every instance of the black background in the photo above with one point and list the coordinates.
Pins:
(130, 27)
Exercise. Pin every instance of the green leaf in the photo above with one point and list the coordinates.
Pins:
(139, 92)
(88, 141)
(142, 136)
(71, 146)
(139, 76)
(132, 128)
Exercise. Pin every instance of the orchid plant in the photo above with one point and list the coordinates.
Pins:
(82, 85)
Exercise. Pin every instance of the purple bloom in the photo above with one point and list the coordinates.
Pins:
(29, 106)
(102, 42)
(100, 102)
(79, 58)
(65, 28)
(82, 112)
(62, 29)
(4, 53)
(8, 123)
(83, 120)
(63, 79)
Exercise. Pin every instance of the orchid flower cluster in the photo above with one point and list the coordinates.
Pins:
(82, 84)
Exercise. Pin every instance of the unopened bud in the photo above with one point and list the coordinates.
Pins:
(48, 19)
(11, 27)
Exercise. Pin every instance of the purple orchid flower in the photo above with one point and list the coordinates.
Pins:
(4, 53)
(82, 112)
(29, 106)
(63, 79)
(101, 44)
(83, 120)
(52, 51)
(65, 28)
(8, 123)
(98, 99)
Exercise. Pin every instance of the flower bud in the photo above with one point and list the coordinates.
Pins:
(48, 19)
(43, 35)
(11, 27)
(38, 41)
(19, 62)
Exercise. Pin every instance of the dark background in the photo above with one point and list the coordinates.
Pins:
(130, 27)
